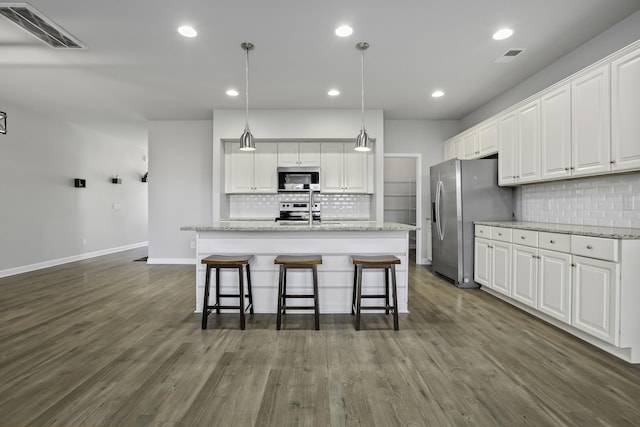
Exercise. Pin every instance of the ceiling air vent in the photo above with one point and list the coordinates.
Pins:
(509, 55)
(27, 17)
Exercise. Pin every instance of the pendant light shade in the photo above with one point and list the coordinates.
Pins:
(247, 142)
(362, 141)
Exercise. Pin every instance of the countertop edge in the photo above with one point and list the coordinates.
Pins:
(573, 229)
(273, 226)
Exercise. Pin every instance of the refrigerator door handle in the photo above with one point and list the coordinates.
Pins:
(438, 210)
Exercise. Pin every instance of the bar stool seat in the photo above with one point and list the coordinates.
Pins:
(386, 262)
(218, 262)
(297, 261)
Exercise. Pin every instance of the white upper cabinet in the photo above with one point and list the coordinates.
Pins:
(253, 171)
(469, 141)
(528, 134)
(298, 154)
(507, 139)
(555, 138)
(344, 170)
(452, 148)
(488, 138)
(625, 112)
(591, 119)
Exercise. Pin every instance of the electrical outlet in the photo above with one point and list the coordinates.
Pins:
(628, 202)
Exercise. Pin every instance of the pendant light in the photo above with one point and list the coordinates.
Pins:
(362, 141)
(247, 143)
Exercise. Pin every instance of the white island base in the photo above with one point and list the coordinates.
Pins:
(335, 275)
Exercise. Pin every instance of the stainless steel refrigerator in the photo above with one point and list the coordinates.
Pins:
(464, 191)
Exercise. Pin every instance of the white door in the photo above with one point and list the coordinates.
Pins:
(332, 167)
(596, 291)
(265, 168)
(591, 122)
(524, 284)
(554, 284)
(488, 138)
(528, 157)
(501, 267)
(555, 138)
(625, 110)
(507, 143)
(482, 261)
(309, 154)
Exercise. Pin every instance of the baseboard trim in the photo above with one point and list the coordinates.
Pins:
(66, 260)
(191, 261)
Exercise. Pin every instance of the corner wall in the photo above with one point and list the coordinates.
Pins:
(44, 220)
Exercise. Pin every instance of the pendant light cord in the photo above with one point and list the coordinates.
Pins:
(246, 91)
(362, 86)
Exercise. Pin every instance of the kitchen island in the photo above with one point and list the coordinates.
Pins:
(334, 240)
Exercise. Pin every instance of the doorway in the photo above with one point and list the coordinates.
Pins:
(403, 196)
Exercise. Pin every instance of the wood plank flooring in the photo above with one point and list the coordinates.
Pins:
(112, 342)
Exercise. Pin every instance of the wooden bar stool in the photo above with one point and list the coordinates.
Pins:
(218, 262)
(386, 262)
(297, 261)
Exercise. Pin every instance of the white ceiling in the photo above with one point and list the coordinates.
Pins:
(138, 68)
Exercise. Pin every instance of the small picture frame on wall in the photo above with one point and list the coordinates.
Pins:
(3, 122)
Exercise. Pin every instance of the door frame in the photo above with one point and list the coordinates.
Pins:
(420, 221)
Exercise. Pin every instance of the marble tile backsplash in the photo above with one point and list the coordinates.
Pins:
(612, 201)
(332, 206)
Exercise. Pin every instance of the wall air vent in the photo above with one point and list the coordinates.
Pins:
(509, 55)
(27, 17)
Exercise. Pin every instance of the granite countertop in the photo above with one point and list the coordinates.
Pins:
(581, 230)
(304, 226)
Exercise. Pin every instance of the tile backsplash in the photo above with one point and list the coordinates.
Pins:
(332, 206)
(612, 201)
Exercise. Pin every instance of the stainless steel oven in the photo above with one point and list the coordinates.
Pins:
(298, 179)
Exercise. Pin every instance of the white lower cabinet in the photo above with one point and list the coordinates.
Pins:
(482, 261)
(525, 275)
(554, 285)
(501, 267)
(596, 298)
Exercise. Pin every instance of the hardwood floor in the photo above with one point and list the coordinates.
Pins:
(112, 342)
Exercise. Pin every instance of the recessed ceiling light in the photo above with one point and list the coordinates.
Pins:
(333, 92)
(232, 92)
(437, 94)
(344, 31)
(503, 33)
(187, 31)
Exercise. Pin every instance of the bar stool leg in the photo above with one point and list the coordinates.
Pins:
(353, 300)
(315, 296)
(284, 291)
(250, 292)
(280, 284)
(386, 289)
(205, 304)
(395, 298)
(217, 290)
(241, 295)
(359, 295)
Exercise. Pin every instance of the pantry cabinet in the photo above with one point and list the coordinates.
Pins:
(251, 171)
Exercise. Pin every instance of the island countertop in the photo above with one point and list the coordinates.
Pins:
(581, 230)
(270, 225)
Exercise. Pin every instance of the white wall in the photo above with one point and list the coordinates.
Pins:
(180, 171)
(615, 38)
(43, 218)
(293, 124)
(424, 137)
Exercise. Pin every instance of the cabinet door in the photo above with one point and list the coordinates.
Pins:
(591, 122)
(488, 138)
(524, 285)
(309, 154)
(331, 167)
(238, 169)
(265, 175)
(596, 309)
(555, 138)
(469, 143)
(501, 267)
(625, 109)
(482, 261)
(529, 142)
(507, 149)
(288, 154)
(356, 170)
(554, 284)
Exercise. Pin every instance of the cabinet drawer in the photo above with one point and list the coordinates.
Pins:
(554, 241)
(483, 231)
(501, 234)
(525, 237)
(595, 247)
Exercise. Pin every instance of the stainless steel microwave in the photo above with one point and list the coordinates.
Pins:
(298, 179)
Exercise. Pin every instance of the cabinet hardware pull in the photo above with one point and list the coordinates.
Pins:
(522, 237)
(552, 242)
(612, 161)
(572, 168)
(573, 265)
(566, 169)
(490, 247)
(589, 247)
(499, 234)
